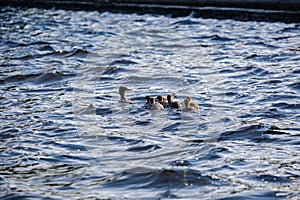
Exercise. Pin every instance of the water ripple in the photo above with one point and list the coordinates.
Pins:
(64, 134)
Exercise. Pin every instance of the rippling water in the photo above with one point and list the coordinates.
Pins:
(65, 135)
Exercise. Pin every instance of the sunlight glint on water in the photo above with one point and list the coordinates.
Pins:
(64, 134)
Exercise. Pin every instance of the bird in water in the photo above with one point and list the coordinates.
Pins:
(162, 101)
(188, 107)
(192, 104)
(122, 93)
(147, 104)
(155, 105)
(171, 103)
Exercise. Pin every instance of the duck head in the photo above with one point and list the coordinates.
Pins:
(169, 97)
(147, 98)
(186, 103)
(152, 100)
(160, 98)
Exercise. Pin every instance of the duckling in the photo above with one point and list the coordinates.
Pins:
(148, 103)
(122, 92)
(162, 101)
(192, 104)
(155, 105)
(188, 107)
(173, 104)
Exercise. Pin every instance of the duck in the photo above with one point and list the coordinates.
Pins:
(188, 107)
(155, 105)
(162, 101)
(147, 104)
(171, 103)
(192, 104)
(122, 93)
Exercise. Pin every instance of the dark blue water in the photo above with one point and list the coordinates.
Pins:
(65, 135)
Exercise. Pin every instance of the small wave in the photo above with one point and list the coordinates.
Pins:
(181, 163)
(258, 194)
(289, 29)
(142, 123)
(46, 48)
(186, 22)
(281, 38)
(214, 37)
(294, 49)
(122, 140)
(295, 86)
(285, 105)
(248, 132)
(251, 56)
(8, 132)
(113, 70)
(138, 178)
(36, 78)
(65, 54)
(144, 149)
(76, 52)
(20, 196)
(38, 43)
(123, 62)
(64, 146)
(10, 44)
(272, 179)
(91, 110)
(103, 111)
(171, 128)
(273, 82)
(48, 77)
(213, 154)
(18, 78)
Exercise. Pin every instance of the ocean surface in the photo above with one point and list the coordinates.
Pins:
(65, 135)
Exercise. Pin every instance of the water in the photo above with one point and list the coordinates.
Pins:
(64, 134)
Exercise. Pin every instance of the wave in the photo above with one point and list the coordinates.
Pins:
(42, 78)
(137, 178)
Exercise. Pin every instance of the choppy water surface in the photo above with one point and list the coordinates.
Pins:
(64, 134)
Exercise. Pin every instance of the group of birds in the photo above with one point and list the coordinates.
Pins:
(160, 102)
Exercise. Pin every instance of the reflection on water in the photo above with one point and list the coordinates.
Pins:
(63, 132)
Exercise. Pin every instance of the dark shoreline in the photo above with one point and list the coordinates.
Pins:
(265, 10)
